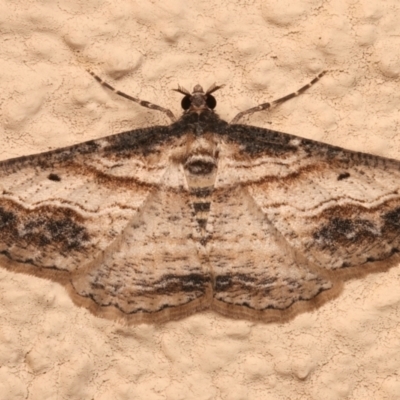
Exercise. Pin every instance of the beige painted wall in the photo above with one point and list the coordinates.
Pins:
(347, 349)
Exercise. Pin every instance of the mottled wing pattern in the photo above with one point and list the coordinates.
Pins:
(157, 223)
(289, 213)
(100, 217)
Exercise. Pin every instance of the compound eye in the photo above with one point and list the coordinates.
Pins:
(185, 103)
(211, 102)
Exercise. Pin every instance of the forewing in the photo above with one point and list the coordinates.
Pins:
(337, 207)
(99, 218)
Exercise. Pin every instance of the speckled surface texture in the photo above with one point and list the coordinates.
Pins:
(347, 349)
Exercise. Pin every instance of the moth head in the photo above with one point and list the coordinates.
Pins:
(198, 100)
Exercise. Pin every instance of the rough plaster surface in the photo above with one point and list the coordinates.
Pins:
(347, 349)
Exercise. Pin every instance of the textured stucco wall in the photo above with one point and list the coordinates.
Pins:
(347, 349)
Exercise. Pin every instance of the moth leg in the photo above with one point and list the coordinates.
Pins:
(143, 103)
(265, 106)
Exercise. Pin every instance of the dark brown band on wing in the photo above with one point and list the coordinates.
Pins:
(43, 227)
(355, 225)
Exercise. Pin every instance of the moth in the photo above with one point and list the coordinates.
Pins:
(158, 223)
